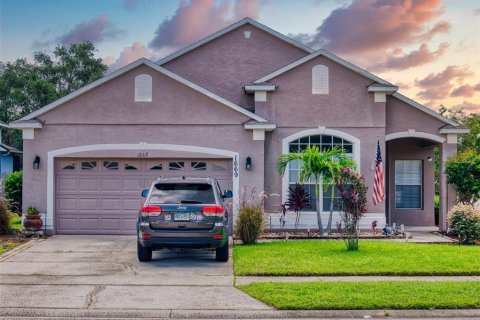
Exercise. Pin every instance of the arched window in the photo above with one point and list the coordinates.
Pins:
(324, 142)
(320, 79)
(143, 88)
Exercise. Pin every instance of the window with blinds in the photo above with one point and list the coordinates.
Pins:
(320, 79)
(408, 184)
(143, 88)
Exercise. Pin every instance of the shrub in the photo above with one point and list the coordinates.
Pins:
(32, 211)
(251, 217)
(4, 217)
(298, 199)
(13, 190)
(465, 223)
(463, 170)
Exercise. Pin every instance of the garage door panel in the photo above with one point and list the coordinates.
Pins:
(105, 197)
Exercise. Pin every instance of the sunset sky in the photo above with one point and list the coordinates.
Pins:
(429, 48)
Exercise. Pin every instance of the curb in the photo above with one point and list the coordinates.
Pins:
(237, 314)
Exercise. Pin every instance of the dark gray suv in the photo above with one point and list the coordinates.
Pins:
(183, 212)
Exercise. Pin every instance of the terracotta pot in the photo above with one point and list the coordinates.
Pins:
(33, 223)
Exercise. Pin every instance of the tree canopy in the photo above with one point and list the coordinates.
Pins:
(27, 86)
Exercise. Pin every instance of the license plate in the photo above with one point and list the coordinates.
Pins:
(182, 216)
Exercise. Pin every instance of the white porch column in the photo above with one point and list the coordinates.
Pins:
(447, 192)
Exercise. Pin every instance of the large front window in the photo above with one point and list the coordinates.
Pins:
(323, 142)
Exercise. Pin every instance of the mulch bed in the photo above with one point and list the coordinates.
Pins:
(292, 235)
(13, 238)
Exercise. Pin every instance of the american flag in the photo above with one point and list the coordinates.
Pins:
(378, 186)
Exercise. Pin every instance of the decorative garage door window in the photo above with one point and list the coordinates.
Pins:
(157, 167)
(199, 166)
(129, 167)
(324, 143)
(218, 167)
(70, 166)
(177, 165)
(89, 165)
(110, 165)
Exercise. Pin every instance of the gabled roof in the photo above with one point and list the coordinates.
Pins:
(125, 69)
(7, 148)
(379, 81)
(232, 27)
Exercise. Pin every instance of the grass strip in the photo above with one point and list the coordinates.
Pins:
(308, 258)
(366, 295)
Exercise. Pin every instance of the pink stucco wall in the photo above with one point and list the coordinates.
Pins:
(227, 63)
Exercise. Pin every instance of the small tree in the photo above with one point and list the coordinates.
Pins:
(13, 190)
(298, 199)
(463, 170)
(353, 193)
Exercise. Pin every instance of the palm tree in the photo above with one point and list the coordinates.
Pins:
(314, 164)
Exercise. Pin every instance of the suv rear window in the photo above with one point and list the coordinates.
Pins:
(176, 193)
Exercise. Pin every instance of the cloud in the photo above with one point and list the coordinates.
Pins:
(194, 20)
(128, 55)
(130, 4)
(467, 106)
(466, 90)
(96, 30)
(439, 85)
(412, 59)
(372, 25)
(476, 12)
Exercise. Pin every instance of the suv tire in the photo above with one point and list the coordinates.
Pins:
(221, 254)
(144, 254)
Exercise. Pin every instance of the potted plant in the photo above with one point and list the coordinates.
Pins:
(33, 221)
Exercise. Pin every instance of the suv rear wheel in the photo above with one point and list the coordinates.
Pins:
(144, 254)
(221, 254)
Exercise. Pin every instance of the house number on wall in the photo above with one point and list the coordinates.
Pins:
(142, 154)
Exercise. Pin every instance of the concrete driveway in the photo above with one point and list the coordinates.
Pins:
(103, 273)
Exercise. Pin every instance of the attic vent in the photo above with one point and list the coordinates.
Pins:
(320, 79)
(247, 34)
(143, 88)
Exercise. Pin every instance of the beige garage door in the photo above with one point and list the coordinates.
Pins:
(103, 196)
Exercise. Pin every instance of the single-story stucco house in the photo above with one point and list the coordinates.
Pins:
(227, 106)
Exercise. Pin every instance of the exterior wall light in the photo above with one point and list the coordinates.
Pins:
(429, 158)
(248, 164)
(36, 163)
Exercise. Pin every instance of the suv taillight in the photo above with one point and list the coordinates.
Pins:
(213, 211)
(151, 211)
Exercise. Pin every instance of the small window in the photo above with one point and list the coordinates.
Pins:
(218, 167)
(110, 165)
(143, 88)
(157, 167)
(89, 165)
(199, 166)
(176, 165)
(320, 79)
(130, 167)
(408, 184)
(70, 166)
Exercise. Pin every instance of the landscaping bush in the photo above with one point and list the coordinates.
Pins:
(4, 217)
(465, 223)
(13, 190)
(463, 170)
(251, 217)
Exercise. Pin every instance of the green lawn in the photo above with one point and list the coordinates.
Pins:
(367, 295)
(15, 221)
(305, 258)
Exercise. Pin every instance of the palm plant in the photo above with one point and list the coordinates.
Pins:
(298, 199)
(314, 164)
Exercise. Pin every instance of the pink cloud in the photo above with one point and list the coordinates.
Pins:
(412, 59)
(467, 106)
(372, 25)
(439, 85)
(128, 55)
(194, 20)
(466, 90)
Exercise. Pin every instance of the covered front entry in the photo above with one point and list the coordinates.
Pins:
(102, 195)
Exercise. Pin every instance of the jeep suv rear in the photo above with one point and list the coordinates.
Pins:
(183, 212)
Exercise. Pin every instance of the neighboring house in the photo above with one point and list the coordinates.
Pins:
(10, 158)
(227, 106)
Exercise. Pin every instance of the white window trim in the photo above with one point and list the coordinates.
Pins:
(395, 184)
(310, 132)
(137, 146)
